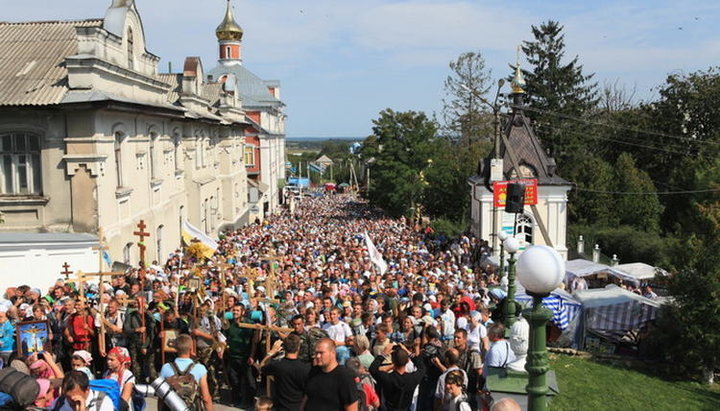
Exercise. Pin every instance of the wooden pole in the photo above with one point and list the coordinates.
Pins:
(141, 243)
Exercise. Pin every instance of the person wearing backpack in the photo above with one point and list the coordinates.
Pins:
(187, 377)
(77, 395)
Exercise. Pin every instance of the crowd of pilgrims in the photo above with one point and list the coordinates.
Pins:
(419, 336)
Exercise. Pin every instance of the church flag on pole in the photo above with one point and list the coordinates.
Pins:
(375, 255)
(189, 233)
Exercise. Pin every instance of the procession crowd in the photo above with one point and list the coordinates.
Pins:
(290, 313)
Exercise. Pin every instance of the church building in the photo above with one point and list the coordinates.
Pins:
(520, 156)
(93, 136)
(265, 135)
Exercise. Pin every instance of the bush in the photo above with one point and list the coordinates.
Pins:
(630, 244)
(449, 228)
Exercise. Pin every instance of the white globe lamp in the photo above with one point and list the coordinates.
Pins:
(540, 269)
(511, 244)
(502, 235)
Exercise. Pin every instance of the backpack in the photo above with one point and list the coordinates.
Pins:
(21, 387)
(314, 335)
(185, 386)
(111, 388)
(362, 400)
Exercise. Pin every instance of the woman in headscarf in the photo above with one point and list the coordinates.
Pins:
(118, 361)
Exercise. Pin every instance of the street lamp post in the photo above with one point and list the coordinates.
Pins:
(502, 236)
(512, 245)
(540, 270)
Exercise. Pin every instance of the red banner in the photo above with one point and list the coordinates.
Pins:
(500, 191)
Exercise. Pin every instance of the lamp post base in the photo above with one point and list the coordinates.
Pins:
(537, 364)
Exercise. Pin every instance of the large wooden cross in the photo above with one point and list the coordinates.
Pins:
(67, 271)
(141, 244)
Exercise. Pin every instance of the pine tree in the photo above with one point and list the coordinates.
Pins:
(557, 91)
(464, 110)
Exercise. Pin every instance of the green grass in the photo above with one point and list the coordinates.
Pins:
(590, 385)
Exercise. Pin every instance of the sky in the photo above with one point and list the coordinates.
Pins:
(343, 61)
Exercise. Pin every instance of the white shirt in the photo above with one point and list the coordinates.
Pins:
(338, 332)
(448, 320)
(90, 403)
(475, 337)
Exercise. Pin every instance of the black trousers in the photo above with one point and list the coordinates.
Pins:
(242, 382)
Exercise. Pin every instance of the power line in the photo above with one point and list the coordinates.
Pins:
(597, 137)
(589, 190)
(617, 127)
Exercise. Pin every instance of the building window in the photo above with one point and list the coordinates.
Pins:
(153, 157)
(158, 239)
(130, 50)
(524, 228)
(118, 158)
(228, 53)
(178, 151)
(126, 253)
(250, 156)
(21, 173)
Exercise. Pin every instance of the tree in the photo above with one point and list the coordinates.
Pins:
(591, 207)
(464, 112)
(401, 145)
(686, 120)
(557, 92)
(641, 211)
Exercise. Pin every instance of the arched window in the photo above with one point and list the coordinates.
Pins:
(21, 173)
(524, 228)
(228, 52)
(118, 157)
(130, 49)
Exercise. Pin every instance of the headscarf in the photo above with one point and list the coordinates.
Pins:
(121, 353)
(84, 355)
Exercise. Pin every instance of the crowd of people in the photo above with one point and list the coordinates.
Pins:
(289, 313)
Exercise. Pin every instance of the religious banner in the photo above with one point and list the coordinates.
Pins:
(375, 255)
(500, 191)
(189, 233)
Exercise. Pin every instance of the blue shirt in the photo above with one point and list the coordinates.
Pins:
(7, 337)
(198, 370)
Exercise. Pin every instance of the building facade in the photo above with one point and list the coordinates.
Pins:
(93, 136)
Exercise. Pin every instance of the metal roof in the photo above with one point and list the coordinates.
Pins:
(253, 90)
(32, 55)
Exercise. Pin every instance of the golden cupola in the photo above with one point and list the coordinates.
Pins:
(229, 29)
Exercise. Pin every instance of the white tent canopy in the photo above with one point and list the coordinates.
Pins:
(641, 271)
(579, 268)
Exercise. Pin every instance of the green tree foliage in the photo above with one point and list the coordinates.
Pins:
(591, 207)
(448, 193)
(464, 110)
(687, 118)
(401, 146)
(689, 326)
(557, 91)
(642, 211)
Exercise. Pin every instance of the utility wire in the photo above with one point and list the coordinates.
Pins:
(644, 193)
(597, 137)
(617, 127)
